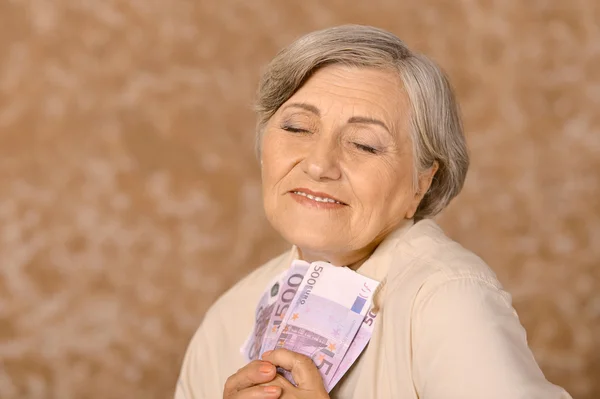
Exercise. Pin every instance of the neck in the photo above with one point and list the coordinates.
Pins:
(351, 259)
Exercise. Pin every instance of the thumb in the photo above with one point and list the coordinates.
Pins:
(303, 369)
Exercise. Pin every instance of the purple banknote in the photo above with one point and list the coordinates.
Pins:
(328, 310)
(264, 309)
(287, 292)
(358, 344)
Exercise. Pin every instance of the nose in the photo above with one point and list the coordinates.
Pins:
(322, 161)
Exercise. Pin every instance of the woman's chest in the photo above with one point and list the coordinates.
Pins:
(384, 369)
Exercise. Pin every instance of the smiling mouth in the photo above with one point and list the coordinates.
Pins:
(318, 198)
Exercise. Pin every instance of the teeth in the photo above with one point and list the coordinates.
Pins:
(318, 199)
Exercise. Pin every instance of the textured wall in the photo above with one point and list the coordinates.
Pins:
(129, 195)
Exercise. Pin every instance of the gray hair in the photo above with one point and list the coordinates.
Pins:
(436, 127)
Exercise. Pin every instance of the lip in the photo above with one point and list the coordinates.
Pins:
(317, 194)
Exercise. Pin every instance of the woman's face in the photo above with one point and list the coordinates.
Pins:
(337, 164)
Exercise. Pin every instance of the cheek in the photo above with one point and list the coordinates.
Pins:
(275, 162)
(269, 158)
(382, 188)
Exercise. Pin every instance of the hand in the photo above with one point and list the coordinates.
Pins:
(245, 383)
(304, 371)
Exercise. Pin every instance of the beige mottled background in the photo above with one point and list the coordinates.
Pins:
(129, 195)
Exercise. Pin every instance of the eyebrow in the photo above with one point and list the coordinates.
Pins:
(354, 119)
(304, 106)
(369, 121)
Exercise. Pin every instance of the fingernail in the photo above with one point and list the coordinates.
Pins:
(267, 353)
(265, 368)
(271, 390)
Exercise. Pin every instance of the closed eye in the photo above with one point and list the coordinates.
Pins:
(293, 129)
(366, 148)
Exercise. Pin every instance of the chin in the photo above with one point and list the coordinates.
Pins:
(316, 232)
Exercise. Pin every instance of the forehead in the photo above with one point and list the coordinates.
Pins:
(372, 92)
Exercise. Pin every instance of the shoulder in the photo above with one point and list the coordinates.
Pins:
(427, 247)
(425, 260)
(222, 332)
(462, 325)
(440, 283)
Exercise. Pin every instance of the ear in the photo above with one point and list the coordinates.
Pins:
(425, 179)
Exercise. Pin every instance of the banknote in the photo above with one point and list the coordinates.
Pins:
(358, 344)
(287, 292)
(264, 309)
(328, 311)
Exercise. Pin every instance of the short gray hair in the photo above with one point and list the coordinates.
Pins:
(436, 127)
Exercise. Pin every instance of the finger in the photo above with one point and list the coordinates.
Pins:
(267, 392)
(302, 367)
(282, 382)
(288, 390)
(254, 373)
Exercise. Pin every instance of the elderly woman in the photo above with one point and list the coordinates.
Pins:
(360, 144)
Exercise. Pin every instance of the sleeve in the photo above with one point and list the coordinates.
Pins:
(468, 343)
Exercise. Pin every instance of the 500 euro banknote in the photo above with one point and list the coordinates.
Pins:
(329, 309)
(287, 292)
(264, 310)
(358, 344)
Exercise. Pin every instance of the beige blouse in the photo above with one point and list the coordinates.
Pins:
(445, 329)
